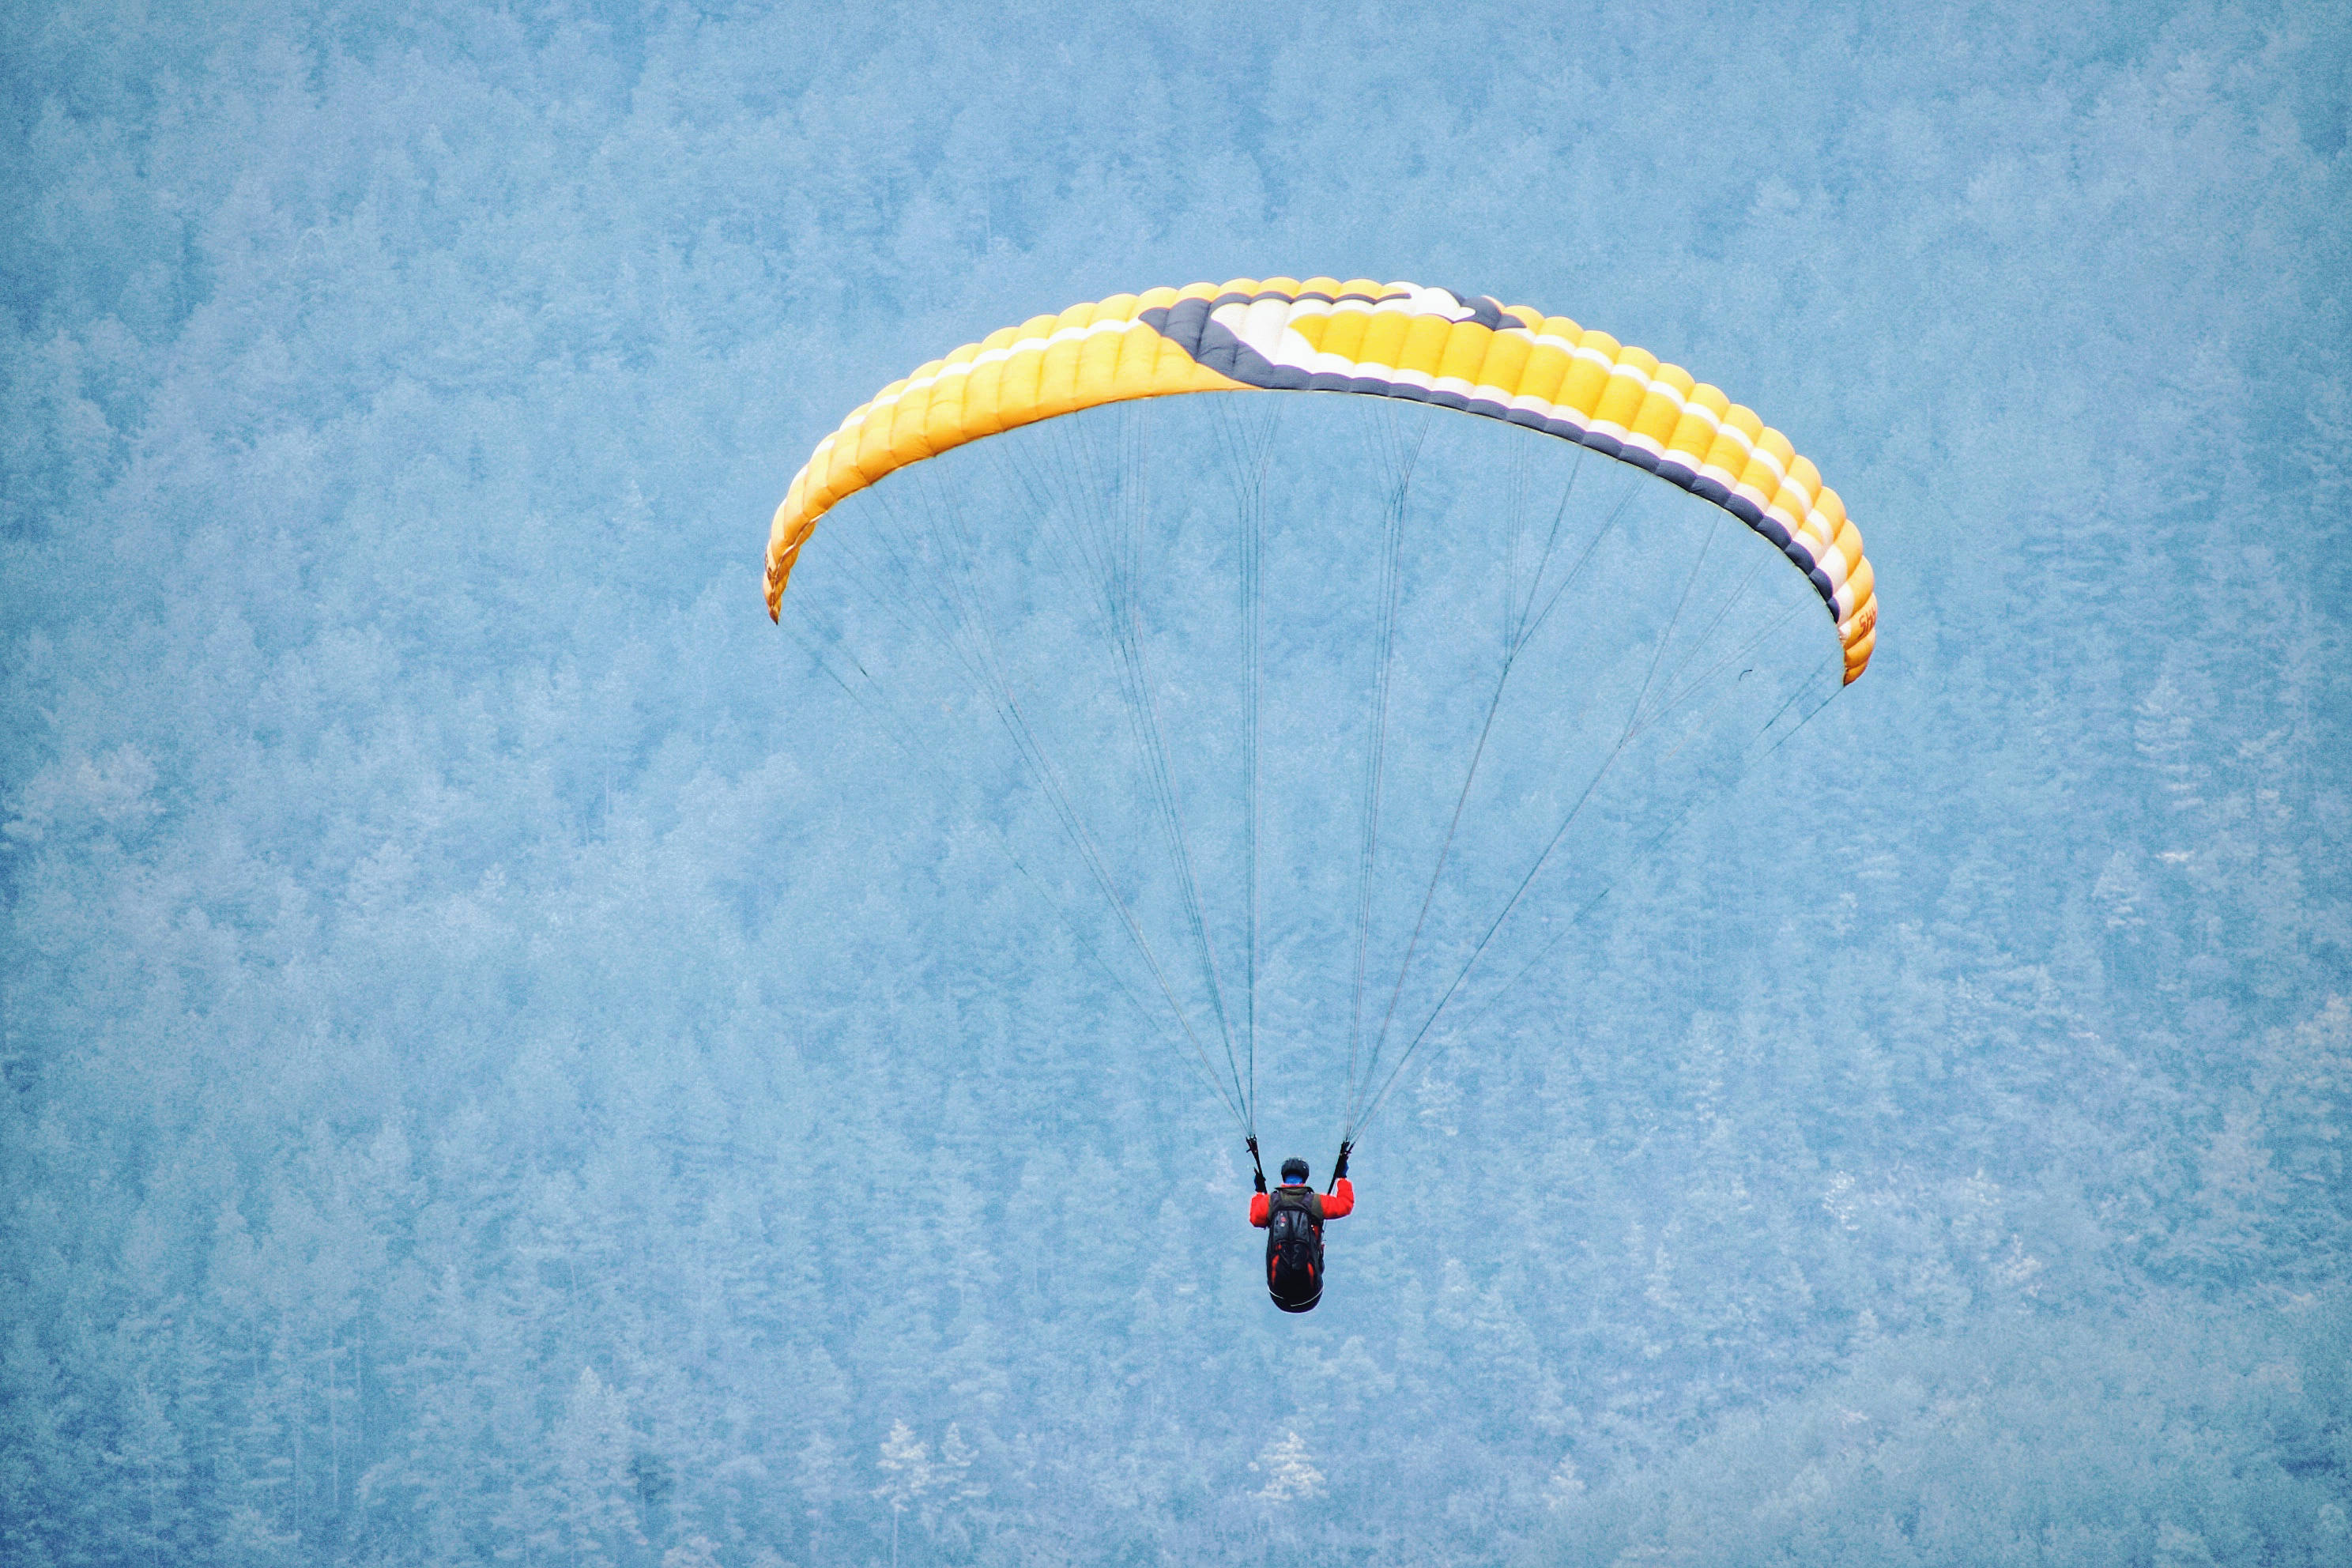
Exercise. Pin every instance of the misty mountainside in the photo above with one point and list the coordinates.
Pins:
(511, 1057)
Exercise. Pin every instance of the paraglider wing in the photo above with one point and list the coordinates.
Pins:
(1394, 340)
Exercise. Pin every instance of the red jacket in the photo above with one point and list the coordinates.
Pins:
(1337, 1203)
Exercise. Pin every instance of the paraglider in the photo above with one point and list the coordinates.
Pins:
(1292, 1216)
(1586, 678)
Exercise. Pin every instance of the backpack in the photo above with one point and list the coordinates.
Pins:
(1294, 1248)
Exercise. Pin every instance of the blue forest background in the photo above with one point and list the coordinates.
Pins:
(498, 1069)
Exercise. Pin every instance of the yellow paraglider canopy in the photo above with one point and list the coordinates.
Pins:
(1469, 353)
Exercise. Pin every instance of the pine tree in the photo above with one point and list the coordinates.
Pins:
(1288, 1470)
(595, 1488)
(907, 1477)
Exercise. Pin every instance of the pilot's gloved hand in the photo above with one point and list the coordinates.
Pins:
(1339, 1171)
(1259, 1177)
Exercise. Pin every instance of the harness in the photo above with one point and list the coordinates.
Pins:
(1294, 1247)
